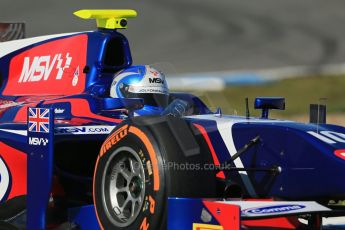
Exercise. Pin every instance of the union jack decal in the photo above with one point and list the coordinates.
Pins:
(38, 120)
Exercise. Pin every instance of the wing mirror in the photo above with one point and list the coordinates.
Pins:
(268, 103)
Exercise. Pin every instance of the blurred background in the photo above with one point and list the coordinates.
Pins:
(223, 50)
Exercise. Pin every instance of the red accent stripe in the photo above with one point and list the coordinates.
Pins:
(203, 131)
(81, 108)
(228, 216)
(16, 162)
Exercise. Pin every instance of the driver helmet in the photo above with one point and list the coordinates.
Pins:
(142, 81)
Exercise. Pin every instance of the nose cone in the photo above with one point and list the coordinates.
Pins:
(311, 159)
(317, 174)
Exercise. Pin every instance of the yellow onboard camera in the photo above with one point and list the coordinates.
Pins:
(108, 19)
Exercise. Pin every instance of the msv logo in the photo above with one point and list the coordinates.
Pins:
(156, 80)
(38, 141)
(273, 209)
(40, 67)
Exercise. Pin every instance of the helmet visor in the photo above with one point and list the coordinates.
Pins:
(153, 99)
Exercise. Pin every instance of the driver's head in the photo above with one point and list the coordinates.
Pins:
(141, 81)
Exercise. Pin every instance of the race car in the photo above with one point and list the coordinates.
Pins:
(90, 141)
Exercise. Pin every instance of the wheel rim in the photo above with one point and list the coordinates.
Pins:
(123, 187)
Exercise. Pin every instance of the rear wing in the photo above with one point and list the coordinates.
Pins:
(12, 31)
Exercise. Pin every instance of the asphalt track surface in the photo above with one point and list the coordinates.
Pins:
(207, 35)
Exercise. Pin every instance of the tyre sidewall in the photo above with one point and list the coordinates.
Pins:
(150, 215)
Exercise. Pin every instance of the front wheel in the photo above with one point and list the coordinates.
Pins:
(123, 186)
(133, 179)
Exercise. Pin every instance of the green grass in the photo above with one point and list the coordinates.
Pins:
(298, 92)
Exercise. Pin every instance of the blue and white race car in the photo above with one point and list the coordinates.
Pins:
(89, 141)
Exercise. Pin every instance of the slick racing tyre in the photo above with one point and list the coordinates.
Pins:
(142, 163)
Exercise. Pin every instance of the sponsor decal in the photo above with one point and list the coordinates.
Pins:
(206, 227)
(156, 80)
(273, 209)
(41, 68)
(59, 111)
(340, 153)
(153, 90)
(50, 68)
(329, 137)
(80, 130)
(38, 120)
(38, 141)
(113, 139)
(4, 179)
